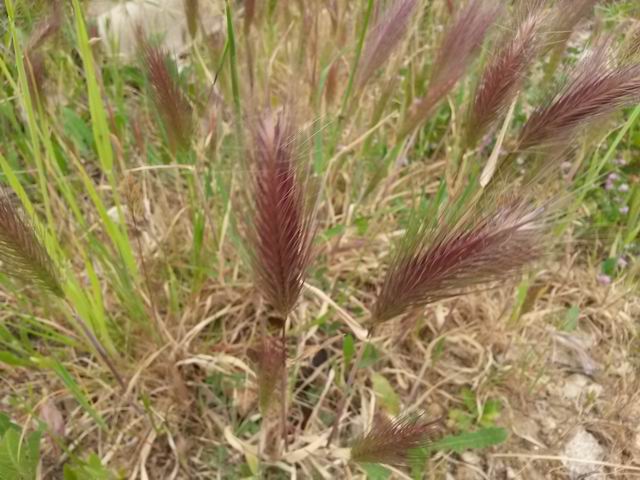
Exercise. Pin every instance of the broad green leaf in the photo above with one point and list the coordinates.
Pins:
(19, 455)
(91, 469)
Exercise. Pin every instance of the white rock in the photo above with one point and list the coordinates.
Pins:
(118, 23)
(583, 446)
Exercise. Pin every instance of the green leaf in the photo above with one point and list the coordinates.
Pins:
(19, 455)
(77, 130)
(609, 266)
(348, 349)
(521, 298)
(385, 392)
(469, 400)
(570, 322)
(375, 471)
(99, 122)
(362, 225)
(6, 424)
(490, 412)
(91, 469)
(462, 419)
(334, 231)
(13, 360)
(483, 438)
(369, 357)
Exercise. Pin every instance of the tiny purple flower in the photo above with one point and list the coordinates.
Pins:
(613, 176)
(622, 262)
(624, 210)
(603, 279)
(609, 185)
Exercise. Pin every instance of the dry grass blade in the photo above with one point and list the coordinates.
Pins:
(283, 222)
(501, 79)
(490, 242)
(268, 356)
(392, 441)
(455, 54)
(596, 91)
(384, 37)
(22, 254)
(172, 105)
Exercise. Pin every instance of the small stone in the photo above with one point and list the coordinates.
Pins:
(583, 446)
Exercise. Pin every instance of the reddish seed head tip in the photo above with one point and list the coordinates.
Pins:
(385, 35)
(459, 254)
(282, 228)
(456, 52)
(393, 441)
(501, 79)
(596, 89)
(170, 101)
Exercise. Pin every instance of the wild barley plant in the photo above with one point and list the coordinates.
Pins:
(457, 49)
(597, 88)
(170, 101)
(394, 441)
(476, 240)
(475, 243)
(472, 244)
(391, 27)
(24, 257)
(502, 77)
(280, 237)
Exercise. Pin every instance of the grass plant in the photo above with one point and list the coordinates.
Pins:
(339, 239)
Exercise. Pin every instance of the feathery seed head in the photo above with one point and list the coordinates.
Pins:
(22, 255)
(489, 242)
(384, 37)
(456, 52)
(393, 441)
(172, 105)
(282, 229)
(596, 89)
(501, 78)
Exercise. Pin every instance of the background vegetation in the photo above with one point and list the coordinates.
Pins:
(132, 329)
